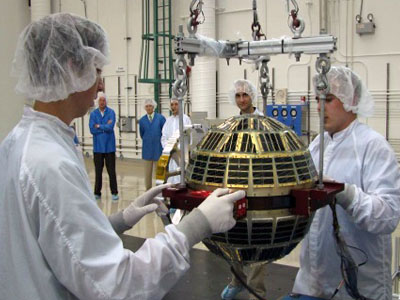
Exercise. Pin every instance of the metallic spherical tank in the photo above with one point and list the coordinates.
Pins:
(266, 159)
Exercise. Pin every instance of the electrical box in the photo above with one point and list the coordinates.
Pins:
(126, 124)
(365, 28)
(293, 116)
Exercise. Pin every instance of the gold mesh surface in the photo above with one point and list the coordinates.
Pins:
(251, 152)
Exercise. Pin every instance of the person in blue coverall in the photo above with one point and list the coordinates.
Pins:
(151, 126)
(101, 123)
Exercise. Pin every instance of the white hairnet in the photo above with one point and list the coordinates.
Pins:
(242, 86)
(58, 55)
(101, 95)
(150, 102)
(350, 90)
(173, 99)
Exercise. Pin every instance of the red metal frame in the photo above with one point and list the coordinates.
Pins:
(306, 200)
(309, 200)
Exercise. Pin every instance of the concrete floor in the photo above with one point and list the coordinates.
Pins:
(130, 186)
(208, 275)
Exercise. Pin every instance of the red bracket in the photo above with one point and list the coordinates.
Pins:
(309, 200)
(186, 199)
(306, 200)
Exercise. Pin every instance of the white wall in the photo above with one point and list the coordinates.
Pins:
(367, 54)
(14, 16)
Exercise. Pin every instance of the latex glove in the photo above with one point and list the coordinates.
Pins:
(218, 209)
(345, 198)
(162, 208)
(144, 204)
(328, 179)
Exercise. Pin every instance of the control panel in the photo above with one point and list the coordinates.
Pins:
(292, 116)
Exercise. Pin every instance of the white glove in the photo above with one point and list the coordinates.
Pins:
(218, 209)
(144, 204)
(345, 198)
(162, 208)
(328, 179)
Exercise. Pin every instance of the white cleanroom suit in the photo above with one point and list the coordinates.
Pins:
(63, 246)
(170, 127)
(361, 158)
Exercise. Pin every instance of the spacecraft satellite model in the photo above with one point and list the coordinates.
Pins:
(252, 153)
(266, 159)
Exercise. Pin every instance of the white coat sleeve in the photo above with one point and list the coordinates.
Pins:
(82, 249)
(376, 205)
(165, 133)
(188, 121)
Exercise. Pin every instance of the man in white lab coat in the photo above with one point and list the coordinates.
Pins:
(171, 126)
(368, 210)
(244, 95)
(55, 241)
